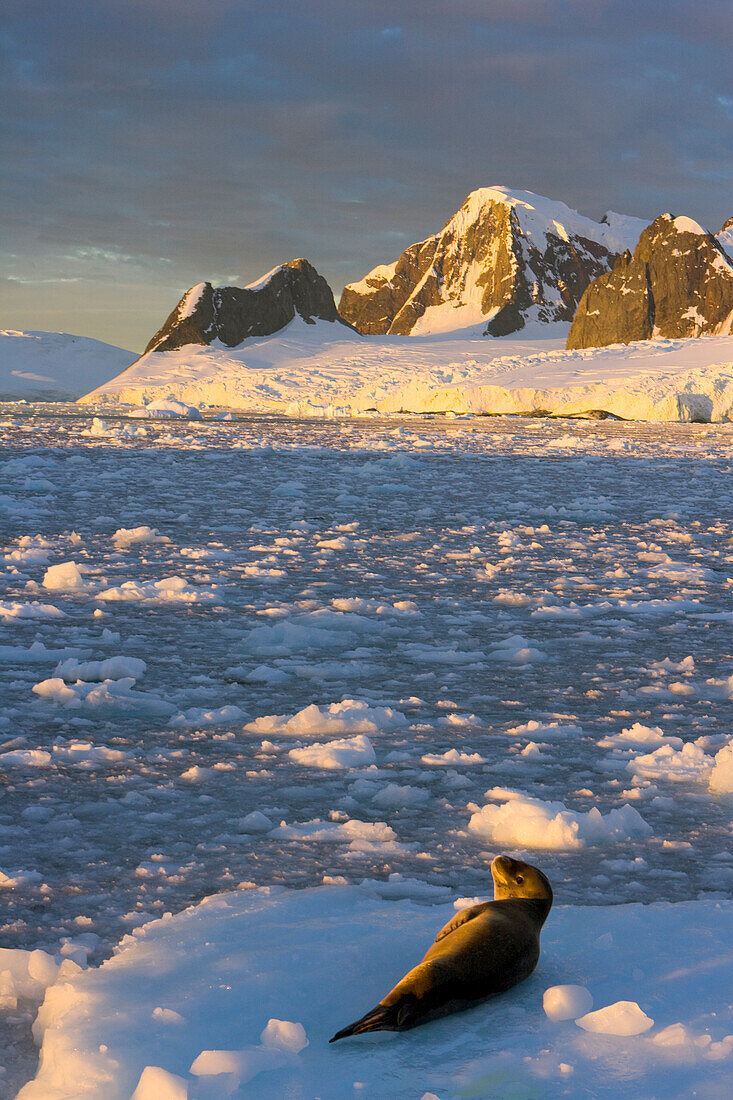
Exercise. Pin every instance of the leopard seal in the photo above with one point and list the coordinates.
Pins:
(484, 950)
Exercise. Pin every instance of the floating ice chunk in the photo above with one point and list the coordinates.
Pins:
(233, 1068)
(125, 537)
(166, 408)
(266, 674)
(354, 752)
(721, 777)
(14, 879)
(453, 757)
(32, 550)
(717, 689)
(526, 822)
(323, 629)
(55, 690)
(639, 736)
(337, 832)
(114, 668)
(516, 650)
(158, 1084)
(635, 864)
(25, 758)
(196, 773)
(397, 797)
(64, 577)
(198, 716)
(545, 730)
(213, 1062)
(168, 1016)
(117, 694)
(255, 822)
(676, 1035)
(31, 972)
(566, 1002)
(621, 1018)
(681, 573)
(166, 590)
(348, 716)
(340, 543)
(284, 1035)
(13, 609)
(83, 754)
(532, 749)
(461, 721)
(421, 652)
(684, 765)
(289, 489)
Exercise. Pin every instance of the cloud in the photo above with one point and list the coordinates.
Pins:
(228, 136)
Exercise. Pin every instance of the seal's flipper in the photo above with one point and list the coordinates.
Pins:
(379, 1019)
(397, 1017)
(460, 918)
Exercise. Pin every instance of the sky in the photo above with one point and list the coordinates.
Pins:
(152, 144)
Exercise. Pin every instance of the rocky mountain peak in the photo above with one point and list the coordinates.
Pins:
(230, 314)
(677, 283)
(505, 257)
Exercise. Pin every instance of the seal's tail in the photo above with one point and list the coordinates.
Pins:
(397, 1017)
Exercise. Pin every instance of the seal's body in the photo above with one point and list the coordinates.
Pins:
(482, 951)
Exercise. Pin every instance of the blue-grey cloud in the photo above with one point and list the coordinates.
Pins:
(150, 144)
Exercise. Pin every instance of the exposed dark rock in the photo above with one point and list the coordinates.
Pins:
(231, 314)
(678, 283)
(508, 319)
(507, 256)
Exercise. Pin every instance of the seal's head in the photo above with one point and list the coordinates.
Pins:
(514, 879)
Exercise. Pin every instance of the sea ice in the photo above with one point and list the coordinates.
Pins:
(566, 1002)
(348, 716)
(353, 752)
(526, 822)
(64, 577)
(622, 1018)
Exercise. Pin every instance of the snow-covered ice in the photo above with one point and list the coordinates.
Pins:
(361, 657)
(291, 966)
(325, 370)
(566, 1002)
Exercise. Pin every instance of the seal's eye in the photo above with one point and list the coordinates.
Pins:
(519, 878)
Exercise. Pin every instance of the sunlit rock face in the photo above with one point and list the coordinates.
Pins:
(231, 314)
(678, 283)
(506, 257)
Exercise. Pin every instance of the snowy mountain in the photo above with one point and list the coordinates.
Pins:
(506, 257)
(54, 366)
(231, 314)
(678, 283)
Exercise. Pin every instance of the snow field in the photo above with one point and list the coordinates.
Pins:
(324, 371)
(293, 966)
(54, 366)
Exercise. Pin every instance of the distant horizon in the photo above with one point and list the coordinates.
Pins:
(145, 154)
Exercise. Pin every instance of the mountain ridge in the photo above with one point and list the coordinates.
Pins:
(505, 257)
(677, 283)
(231, 314)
